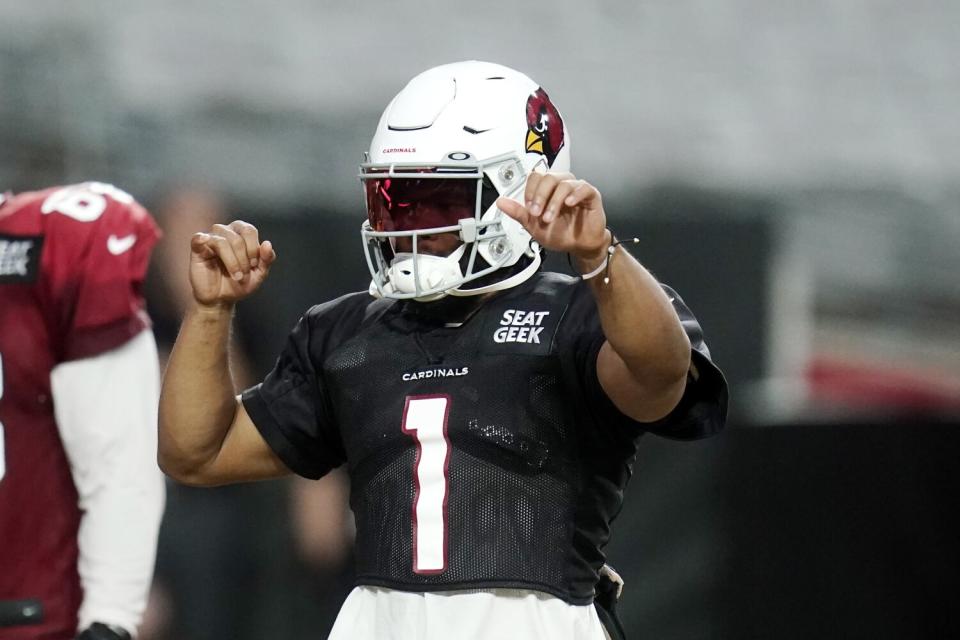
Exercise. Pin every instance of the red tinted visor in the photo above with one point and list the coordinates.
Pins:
(411, 204)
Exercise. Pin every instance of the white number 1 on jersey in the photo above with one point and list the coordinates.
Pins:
(425, 418)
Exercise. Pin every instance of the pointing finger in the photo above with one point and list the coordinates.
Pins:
(514, 209)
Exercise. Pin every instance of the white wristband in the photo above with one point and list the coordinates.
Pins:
(603, 265)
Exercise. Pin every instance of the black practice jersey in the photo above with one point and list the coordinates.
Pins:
(482, 453)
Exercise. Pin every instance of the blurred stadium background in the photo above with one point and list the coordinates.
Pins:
(792, 168)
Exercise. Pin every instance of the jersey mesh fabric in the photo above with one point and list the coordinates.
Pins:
(537, 461)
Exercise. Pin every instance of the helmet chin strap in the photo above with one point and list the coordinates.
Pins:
(521, 276)
(434, 270)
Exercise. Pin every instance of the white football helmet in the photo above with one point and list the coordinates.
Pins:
(453, 140)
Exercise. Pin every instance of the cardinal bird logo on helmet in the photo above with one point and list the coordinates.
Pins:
(544, 126)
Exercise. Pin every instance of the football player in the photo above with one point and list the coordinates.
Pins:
(488, 412)
(81, 495)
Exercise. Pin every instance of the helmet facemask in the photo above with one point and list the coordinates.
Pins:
(432, 229)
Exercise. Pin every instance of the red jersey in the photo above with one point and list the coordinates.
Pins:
(72, 263)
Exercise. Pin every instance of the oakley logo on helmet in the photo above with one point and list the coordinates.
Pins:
(544, 126)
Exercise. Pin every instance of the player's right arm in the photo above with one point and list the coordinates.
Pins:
(205, 434)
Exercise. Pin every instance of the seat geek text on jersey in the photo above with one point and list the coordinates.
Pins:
(517, 325)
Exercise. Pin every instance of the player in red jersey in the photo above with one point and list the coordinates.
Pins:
(80, 493)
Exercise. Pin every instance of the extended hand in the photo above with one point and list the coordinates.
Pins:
(562, 213)
(228, 263)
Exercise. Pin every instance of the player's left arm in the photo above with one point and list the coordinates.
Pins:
(106, 411)
(643, 364)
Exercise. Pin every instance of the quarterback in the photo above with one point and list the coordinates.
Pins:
(488, 411)
(80, 493)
